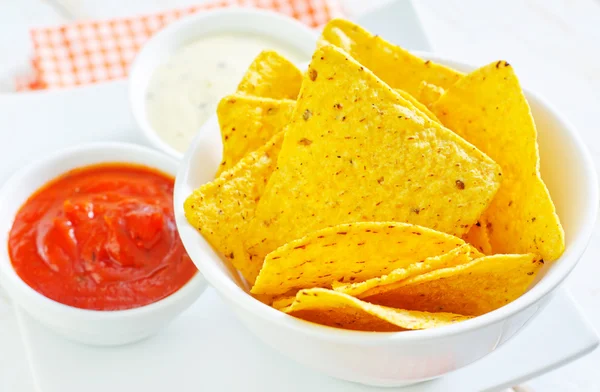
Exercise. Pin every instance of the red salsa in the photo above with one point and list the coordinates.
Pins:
(101, 237)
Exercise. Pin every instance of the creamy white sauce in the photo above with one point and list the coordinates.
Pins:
(185, 90)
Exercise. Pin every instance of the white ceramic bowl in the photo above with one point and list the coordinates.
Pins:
(394, 359)
(86, 326)
(185, 31)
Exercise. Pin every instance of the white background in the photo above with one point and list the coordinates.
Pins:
(553, 44)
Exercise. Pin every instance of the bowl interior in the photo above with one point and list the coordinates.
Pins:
(19, 187)
(275, 26)
(566, 168)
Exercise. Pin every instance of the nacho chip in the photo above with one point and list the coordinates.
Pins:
(471, 289)
(394, 65)
(357, 151)
(417, 104)
(221, 209)
(488, 108)
(247, 123)
(456, 256)
(428, 93)
(271, 76)
(349, 252)
(339, 310)
(283, 301)
(478, 237)
(475, 253)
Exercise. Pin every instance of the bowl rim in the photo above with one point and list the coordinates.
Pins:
(568, 260)
(181, 28)
(20, 291)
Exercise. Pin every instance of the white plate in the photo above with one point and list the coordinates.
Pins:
(207, 349)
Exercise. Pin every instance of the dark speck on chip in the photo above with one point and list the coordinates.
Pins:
(307, 114)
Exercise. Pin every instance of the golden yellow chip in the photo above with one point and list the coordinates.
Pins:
(394, 65)
(347, 253)
(428, 93)
(418, 105)
(357, 151)
(478, 237)
(247, 123)
(488, 108)
(471, 289)
(271, 76)
(221, 209)
(475, 253)
(456, 256)
(283, 301)
(339, 310)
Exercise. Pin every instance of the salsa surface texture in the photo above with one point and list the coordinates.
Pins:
(101, 237)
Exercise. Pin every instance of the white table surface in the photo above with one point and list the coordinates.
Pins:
(553, 44)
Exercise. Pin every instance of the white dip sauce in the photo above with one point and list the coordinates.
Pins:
(185, 90)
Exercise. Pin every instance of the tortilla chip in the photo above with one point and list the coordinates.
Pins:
(271, 76)
(478, 236)
(283, 301)
(488, 108)
(456, 256)
(471, 289)
(428, 93)
(347, 253)
(418, 105)
(357, 151)
(221, 209)
(394, 65)
(339, 310)
(247, 123)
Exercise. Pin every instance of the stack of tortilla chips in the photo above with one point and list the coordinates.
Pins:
(378, 191)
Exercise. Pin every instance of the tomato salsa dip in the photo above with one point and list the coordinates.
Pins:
(101, 237)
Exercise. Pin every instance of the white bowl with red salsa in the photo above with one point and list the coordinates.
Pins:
(91, 246)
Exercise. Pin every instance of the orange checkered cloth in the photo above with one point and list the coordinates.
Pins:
(97, 51)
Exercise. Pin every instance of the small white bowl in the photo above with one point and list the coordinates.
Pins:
(186, 30)
(395, 359)
(86, 326)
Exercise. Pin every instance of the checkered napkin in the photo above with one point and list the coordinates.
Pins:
(96, 51)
